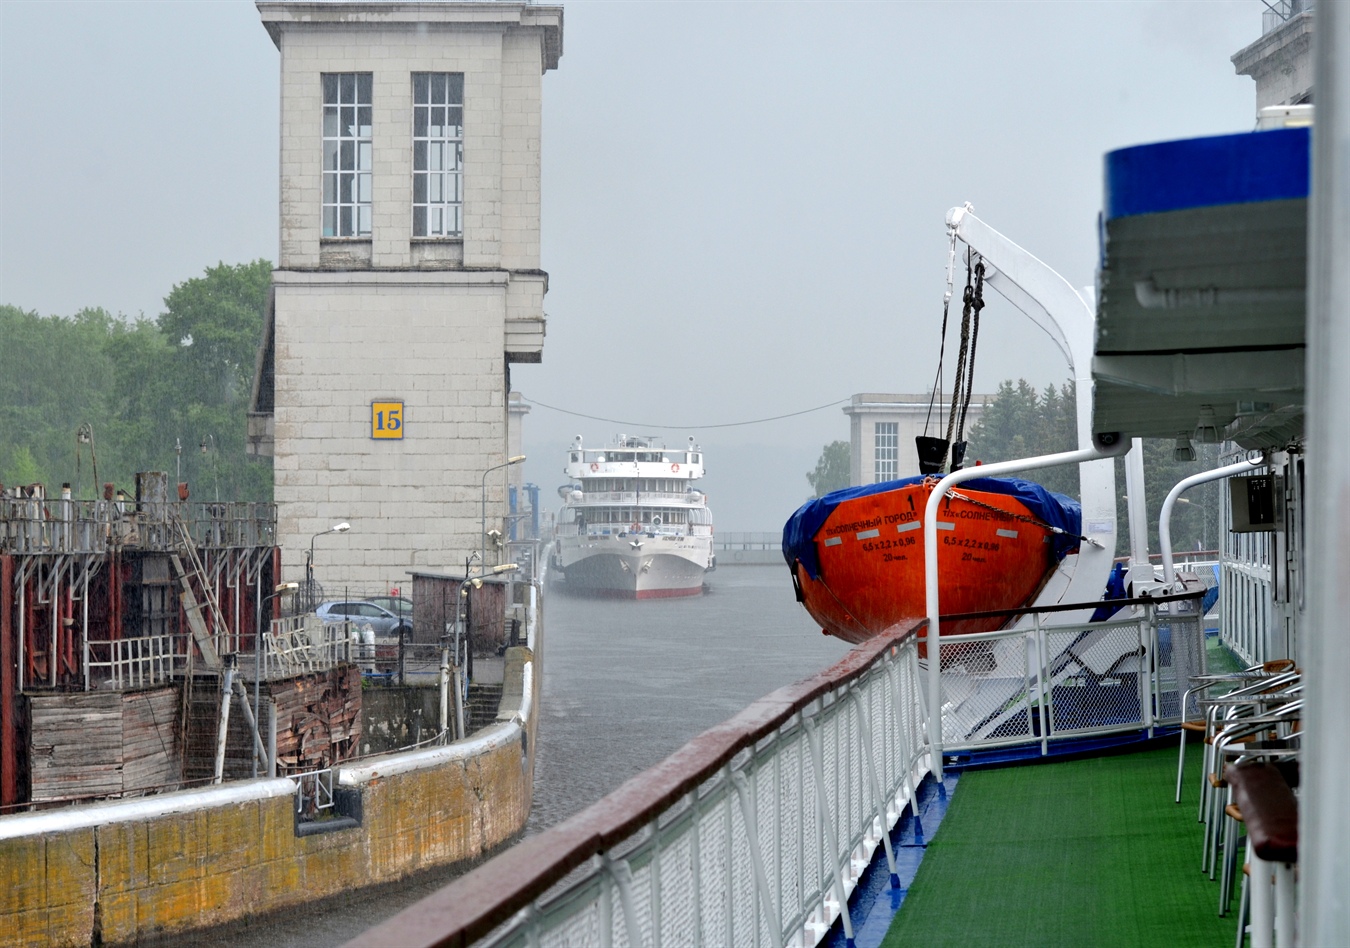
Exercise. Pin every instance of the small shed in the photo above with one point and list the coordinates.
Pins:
(434, 609)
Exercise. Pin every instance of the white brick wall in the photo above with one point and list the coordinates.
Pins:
(438, 347)
(430, 329)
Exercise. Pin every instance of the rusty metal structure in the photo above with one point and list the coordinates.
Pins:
(105, 606)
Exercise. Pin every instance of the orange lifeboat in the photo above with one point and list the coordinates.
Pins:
(857, 559)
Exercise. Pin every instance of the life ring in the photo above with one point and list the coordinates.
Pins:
(675, 468)
(595, 466)
(635, 528)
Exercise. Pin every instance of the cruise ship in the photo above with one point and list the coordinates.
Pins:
(632, 524)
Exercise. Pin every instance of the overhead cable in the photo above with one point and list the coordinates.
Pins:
(645, 425)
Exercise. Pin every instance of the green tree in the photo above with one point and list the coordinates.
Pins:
(21, 469)
(832, 469)
(1022, 423)
(145, 387)
(54, 374)
(211, 327)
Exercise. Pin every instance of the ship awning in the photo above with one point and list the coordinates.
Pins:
(1203, 287)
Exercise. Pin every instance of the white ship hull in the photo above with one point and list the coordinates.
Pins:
(662, 567)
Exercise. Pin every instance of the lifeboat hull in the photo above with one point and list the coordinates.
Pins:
(995, 553)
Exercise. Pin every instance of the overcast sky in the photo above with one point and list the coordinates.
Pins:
(743, 202)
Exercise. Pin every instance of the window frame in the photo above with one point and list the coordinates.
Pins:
(437, 172)
(885, 451)
(347, 149)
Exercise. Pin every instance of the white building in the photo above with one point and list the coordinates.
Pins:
(1281, 61)
(882, 429)
(409, 275)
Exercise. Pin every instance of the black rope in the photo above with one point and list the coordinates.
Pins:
(965, 350)
(942, 352)
(975, 300)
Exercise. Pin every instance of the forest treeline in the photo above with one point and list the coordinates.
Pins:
(1022, 422)
(154, 393)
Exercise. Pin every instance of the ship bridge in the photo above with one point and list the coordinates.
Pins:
(635, 458)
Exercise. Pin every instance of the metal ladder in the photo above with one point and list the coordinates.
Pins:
(232, 686)
(193, 609)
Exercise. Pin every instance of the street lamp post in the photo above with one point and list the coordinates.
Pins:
(208, 446)
(309, 563)
(259, 642)
(482, 532)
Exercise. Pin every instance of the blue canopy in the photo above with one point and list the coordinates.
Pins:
(1055, 509)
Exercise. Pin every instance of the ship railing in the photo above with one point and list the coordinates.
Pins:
(1046, 681)
(645, 498)
(673, 531)
(755, 832)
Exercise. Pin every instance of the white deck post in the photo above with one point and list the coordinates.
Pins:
(1324, 833)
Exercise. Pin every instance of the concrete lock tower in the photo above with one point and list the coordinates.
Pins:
(408, 280)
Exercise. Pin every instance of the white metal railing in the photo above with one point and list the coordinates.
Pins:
(756, 832)
(1250, 570)
(1245, 609)
(135, 662)
(749, 541)
(672, 531)
(775, 840)
(302, 644)
(314, 793)
(643, 498)
(768, 830)
(1047, 682)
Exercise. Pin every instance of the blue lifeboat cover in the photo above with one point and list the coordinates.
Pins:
(799, 533)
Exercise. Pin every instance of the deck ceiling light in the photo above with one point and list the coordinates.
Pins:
(1184, 450)
(1207, 426)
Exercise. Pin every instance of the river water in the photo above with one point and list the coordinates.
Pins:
(625, 685)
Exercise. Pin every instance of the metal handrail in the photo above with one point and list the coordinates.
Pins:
(861, 727)
(719, 783)
(1074, 606)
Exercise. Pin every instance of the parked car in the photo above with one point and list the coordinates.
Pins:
(399, 605)
(362, 613)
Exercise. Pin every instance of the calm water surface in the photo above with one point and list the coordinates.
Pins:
(625, 685)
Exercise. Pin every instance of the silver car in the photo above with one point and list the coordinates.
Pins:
(363, 613)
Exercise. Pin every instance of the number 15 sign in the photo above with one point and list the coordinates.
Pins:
(386, 420)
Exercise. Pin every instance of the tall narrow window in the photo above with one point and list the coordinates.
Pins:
(887, 442)
(438, 154)
(346, 154)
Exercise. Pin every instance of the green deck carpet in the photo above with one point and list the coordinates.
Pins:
(1218, 658)
(1081, 853)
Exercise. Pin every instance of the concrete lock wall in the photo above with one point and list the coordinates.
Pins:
(198, 858)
